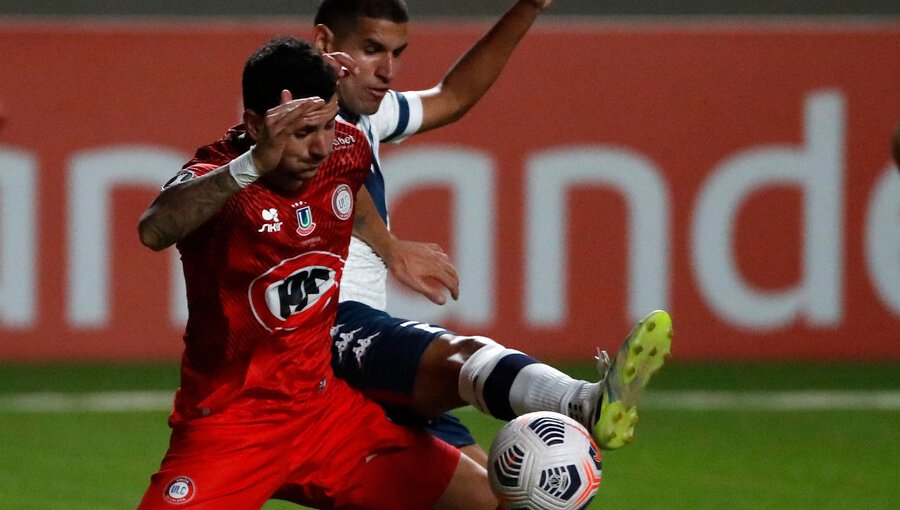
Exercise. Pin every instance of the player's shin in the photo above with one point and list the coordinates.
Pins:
(506, 383)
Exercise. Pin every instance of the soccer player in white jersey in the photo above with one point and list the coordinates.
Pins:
(422, 370)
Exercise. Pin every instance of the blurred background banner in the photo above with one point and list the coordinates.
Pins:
(735, 173)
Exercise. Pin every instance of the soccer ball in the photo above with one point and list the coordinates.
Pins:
(544, 461)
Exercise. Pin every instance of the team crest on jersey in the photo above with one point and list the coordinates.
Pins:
(305, 223)
(283, 297)
(179, 491)
(342, 202)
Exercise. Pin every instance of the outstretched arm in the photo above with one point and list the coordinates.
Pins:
(423, 267)
(474, 73)
(180, 209)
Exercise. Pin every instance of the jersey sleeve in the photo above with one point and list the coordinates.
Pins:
(398, 117)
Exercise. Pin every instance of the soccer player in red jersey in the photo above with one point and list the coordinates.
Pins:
(262, 220)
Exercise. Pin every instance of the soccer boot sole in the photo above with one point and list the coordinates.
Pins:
(640, 356)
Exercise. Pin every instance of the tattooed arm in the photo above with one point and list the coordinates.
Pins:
(178, 210)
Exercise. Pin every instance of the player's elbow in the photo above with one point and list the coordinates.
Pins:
(460, 104)
(458, 113)
(149, 234)
(451, 104)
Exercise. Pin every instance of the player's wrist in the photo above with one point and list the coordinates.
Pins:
(243, 169)
(388, 250)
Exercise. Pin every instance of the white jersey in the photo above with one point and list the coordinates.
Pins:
(398, 117)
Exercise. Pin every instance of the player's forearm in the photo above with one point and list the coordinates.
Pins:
(179, 210)
(479, 67)
(369, 227)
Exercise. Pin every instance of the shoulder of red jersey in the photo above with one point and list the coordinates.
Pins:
(349, 137)
(209, 157)
(350, 149)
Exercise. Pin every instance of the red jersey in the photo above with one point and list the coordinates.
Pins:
(262, 280)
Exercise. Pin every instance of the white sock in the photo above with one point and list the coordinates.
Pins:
(540, 387)
(506, 383)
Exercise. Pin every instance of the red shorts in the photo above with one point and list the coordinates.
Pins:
(337, 451)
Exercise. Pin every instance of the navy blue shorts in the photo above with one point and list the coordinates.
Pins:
(379, 355)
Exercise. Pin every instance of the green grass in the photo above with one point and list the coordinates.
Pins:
(816, 460)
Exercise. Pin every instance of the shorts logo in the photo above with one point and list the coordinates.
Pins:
(179, 491)
(342, 202)
(305, 223)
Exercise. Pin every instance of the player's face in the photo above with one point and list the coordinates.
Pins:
(376, 46)
(306, 149)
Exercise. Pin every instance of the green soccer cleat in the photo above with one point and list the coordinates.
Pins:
(623, 380)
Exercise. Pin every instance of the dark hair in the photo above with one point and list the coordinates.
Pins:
(285, 63)
(341, 15)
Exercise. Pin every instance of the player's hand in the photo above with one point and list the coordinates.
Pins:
(342, 63)
(283, 121)
(424, 268)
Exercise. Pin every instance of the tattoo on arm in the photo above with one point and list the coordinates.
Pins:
(179, 210)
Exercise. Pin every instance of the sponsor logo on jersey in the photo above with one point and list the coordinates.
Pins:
(305, 223)
(288, 294)
(342, 142)
(179, 491)
(270, 216)
(342, 202)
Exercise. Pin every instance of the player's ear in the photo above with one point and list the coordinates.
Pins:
(323, 38)
(252, 121)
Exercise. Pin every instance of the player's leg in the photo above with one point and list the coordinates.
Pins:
(210, 467)
(427, 474)
(451, 430)
(428, 370)
(468, 489)
(506, 383)
(502, 382)
(381, 355)
(364, 460)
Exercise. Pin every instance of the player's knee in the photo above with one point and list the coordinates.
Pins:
(465, 346)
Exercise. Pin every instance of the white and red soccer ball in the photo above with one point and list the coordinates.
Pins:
(544, 461)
